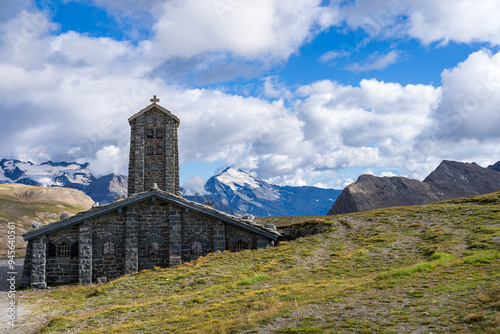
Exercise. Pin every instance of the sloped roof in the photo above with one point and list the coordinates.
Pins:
(153, 194)
(160, 108)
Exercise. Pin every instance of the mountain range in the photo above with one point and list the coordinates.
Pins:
(450, 180)
(239, 193)
(102, 189)
(233, 191)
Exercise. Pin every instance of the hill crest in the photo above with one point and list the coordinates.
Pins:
(451, 179)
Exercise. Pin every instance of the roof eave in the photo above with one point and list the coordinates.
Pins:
(151, 106)
(56, 226)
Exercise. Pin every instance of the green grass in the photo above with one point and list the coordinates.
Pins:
(254, 279)
(432, 268)
(437, 259)
(482, 257)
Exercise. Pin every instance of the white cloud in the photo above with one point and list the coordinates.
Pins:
(273, 88)
(387, 173)
(218, 126)
(263, 29)
(375, 62)
(429, 21)
(109, 159)
(375, 124)
(461, 21)
(193, 185)
(331, 55)
(471, 96)
(64, 101)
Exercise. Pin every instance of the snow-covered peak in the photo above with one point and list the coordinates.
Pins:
(45, 174)
(233, 178)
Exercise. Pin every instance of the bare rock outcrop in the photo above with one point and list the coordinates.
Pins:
(450, 180)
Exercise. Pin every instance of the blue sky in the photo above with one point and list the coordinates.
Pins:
(302, 92)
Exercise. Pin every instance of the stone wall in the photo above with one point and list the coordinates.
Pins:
(153, 232)
(197, 235)
(108, 228)
(62, 269)
(153, 159)
(234, 235)
(141, 236)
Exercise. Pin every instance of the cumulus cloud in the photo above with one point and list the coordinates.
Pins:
(249, 132)
(265, 29)
(464, 125)
(471, 96)
(194, 185)
(462, 21)
(64, 101)
(427, 20)
(108, 160)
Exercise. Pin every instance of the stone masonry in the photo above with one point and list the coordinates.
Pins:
(154, 156)
(153, 227)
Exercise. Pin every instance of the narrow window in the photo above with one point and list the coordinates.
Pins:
(109, 249)
(159, 134)
(149, 150)
(51, 249)
(197, 248)
(240, 245)
(75, 250)
(159, 150)
(63, 249)
(149, 133)
(154, 249)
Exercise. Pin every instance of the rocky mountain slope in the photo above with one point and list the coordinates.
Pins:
(23, 205)
(450, 180)
(64, 174)
(244, 193)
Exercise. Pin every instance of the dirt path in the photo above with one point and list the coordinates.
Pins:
(20, 313)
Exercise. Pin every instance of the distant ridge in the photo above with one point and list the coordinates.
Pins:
(232, 191)
(64, 174)
(451, 179)
(238, 192)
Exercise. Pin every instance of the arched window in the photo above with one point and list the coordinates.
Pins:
(149, 133)
(109, 249)
(159, 134)
(159, 150)
(149, 150)
(197, 248)
(154, 249)
(240, 245)
(63, 249)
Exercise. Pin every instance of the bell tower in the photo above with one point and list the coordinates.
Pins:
(154, 153)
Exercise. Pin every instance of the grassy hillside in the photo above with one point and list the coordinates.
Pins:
(432, 268)
(24, 205)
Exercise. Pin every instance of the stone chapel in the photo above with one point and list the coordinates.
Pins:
(153, 226)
